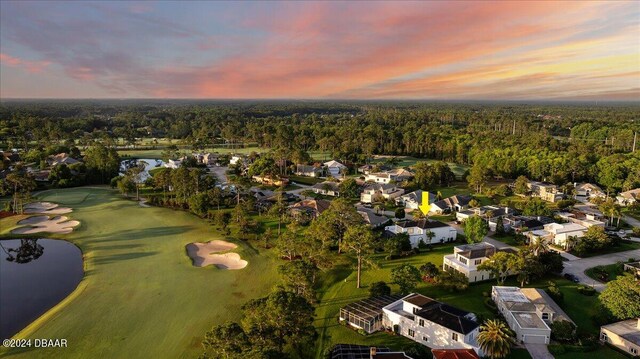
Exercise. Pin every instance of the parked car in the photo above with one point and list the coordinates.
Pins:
(571, 277)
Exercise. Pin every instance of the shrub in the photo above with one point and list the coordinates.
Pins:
(362, 332)
(485, 294)
(563, 331)
(490, 304)
(555, 293)
(556, 349)
(586, 290)
(379, 288)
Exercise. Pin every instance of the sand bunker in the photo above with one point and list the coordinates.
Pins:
(201, 254)
(40, 224)
(46, 208)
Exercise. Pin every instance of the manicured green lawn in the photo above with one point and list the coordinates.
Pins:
(603, 352)
(622, 247)
(613, 270)
(141, 297)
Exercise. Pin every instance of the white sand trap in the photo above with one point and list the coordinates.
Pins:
(46, 208)
(201, 254)
(40, 224)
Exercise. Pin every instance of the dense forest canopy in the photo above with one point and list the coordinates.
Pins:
(544, 141)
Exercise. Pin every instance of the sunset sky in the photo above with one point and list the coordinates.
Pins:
(583, 50)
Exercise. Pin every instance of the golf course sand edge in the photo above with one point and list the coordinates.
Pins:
(46, 208)
(201, 255)
(44, 224)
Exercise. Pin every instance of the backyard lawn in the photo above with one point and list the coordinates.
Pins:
(141, 297)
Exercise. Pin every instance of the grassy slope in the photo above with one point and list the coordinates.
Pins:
(142, 297)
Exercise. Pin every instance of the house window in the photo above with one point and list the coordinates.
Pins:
(421, 322)
(454, 336)
(604, 337)
(411, 332)
(545, 316)
(478, 261)
(425, 339)
(415, 310)
(633, 351)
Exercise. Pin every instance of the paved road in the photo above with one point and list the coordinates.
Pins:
(538, 351)
(578, 267)
(632, 221)
(221, 173)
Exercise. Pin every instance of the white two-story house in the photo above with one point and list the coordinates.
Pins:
(557, 233)
(380, 192)
(421, 229)
(432, 323)
(466, 259)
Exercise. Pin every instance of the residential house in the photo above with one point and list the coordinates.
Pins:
(529, 312)
(454, 203)
(239, 159)
(174, 164)
(271, 180)
(327, 188)
(423, 230)
(581, 218)
(335, 169)
(629, 198)
(309, 171)
(10, 157)
(431, 323)
(378, 177)
(547, 191)
(207, 158)
(367, 314)
(366, 169)
(372, 219)
(401, 174)
(624, 335)
(353, 351)
(559, 234)
(588, 190)
(490, 213)
(61, 158)
(527, 223)
(466, 259)
(454, 354)
(308, 209)
(415, 199)
(633, 268)
(380, 192)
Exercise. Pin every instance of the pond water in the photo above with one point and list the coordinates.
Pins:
(148, 163)
(35, 275)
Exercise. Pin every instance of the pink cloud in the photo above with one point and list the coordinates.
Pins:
(29, 66)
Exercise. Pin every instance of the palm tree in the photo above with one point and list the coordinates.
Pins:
(495, 339)
(539, 246)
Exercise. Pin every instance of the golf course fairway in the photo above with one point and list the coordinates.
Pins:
(141, 297)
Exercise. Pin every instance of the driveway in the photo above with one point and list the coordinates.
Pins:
(632, 221)
(578, 267)
(220, 173)
(538, 351)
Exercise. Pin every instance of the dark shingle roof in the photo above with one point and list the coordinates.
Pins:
(448, 317)
(421, 223)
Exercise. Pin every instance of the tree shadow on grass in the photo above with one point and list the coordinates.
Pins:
(137, 234)
(120, 257)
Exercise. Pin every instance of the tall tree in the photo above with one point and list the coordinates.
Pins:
(406, 277)
(622, 297)
(475, 229)
(359, 240)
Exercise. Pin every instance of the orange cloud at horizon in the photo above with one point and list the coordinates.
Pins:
(432, 50)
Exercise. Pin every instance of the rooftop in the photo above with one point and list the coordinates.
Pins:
(454, 354)
(627, 329)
